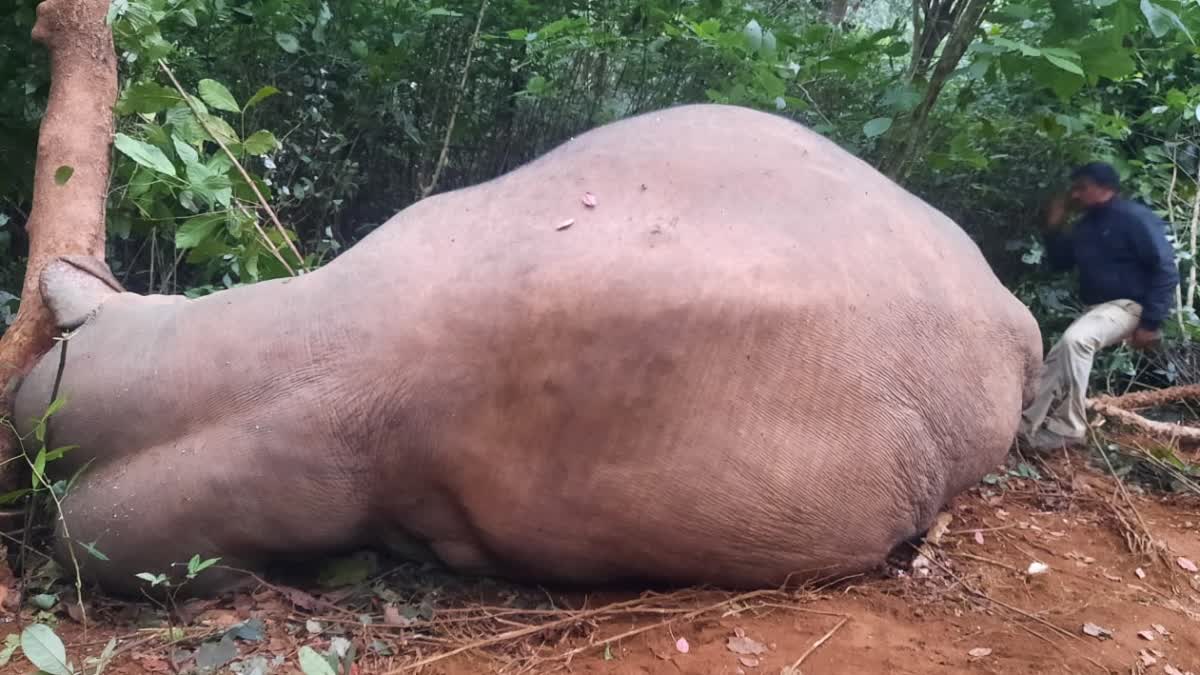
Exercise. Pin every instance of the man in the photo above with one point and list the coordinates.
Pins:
(1127, 278)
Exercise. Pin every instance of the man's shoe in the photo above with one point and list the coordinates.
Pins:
(1044, 439)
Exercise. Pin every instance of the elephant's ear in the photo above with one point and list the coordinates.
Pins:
(73, 287)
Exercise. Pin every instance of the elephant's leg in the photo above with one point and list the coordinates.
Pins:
(169, 503)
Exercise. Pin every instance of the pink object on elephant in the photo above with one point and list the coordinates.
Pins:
(756, 359)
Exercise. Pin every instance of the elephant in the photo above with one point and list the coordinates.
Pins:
(702, 345)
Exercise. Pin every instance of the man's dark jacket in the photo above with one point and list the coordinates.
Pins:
(1122, 252)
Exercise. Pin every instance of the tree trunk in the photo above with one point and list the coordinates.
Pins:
(67, 217)
(965, 18)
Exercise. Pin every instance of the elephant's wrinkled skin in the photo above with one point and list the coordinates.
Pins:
(756, 357)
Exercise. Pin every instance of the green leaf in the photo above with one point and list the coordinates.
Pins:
(154, 579)
(359, 49)
(11, 497)
(196, 565)
(55, 405)
(287, 42)
(1105, 56)
(212, 186)
(313, 663)
(877, 127)
(220, 128)
(260, 143)
(116, 10)
(93, 551)
(147, 98)
(1069, 66)
(44, 600)
(218, 96)
(39, 467)
(183, 120)
(1013, 45)
(58, 453)
(197, 229)
(1062, 82)
(260, 95)
(44, 650)
(441, 11)
(145, 154)
(63, 174)
(1161, 20)
(186, 152)
(754, 35)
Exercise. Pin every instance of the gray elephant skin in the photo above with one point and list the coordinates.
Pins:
(753, 359)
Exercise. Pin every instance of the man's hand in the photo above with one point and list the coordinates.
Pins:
(1144, 338)
(1056, 211)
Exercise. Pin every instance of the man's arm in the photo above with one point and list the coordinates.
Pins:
(1060, 252)
(1149, 239)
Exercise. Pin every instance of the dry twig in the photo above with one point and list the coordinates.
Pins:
(794, 669)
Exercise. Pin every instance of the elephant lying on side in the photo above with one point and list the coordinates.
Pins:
(754, 357)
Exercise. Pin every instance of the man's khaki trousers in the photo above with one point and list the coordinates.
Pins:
(1061, 402)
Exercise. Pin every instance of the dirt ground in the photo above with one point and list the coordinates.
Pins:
(972, 608)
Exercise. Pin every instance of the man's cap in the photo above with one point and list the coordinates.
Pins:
(1100, 173)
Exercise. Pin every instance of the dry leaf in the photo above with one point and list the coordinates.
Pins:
(980, 652)
(1146, 635)
(1141, 573)
(940, 525)
(745, 645)
(299, 598)
(152, 663)
(681, 646)
(565, 224)
(978, 537)
(748, 661)
(218, 618)
(1187, 565)
(1162, 630)
(1097, 632)
(1147, 659)
(589, 199)
(1111, 577)
(1171, 670)
(75, 611)
(1036, 567)
(392, 616)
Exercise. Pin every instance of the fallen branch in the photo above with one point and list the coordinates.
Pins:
(1148, 399)
(1173, 431)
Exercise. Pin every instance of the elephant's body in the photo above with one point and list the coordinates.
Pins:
(756, 357)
